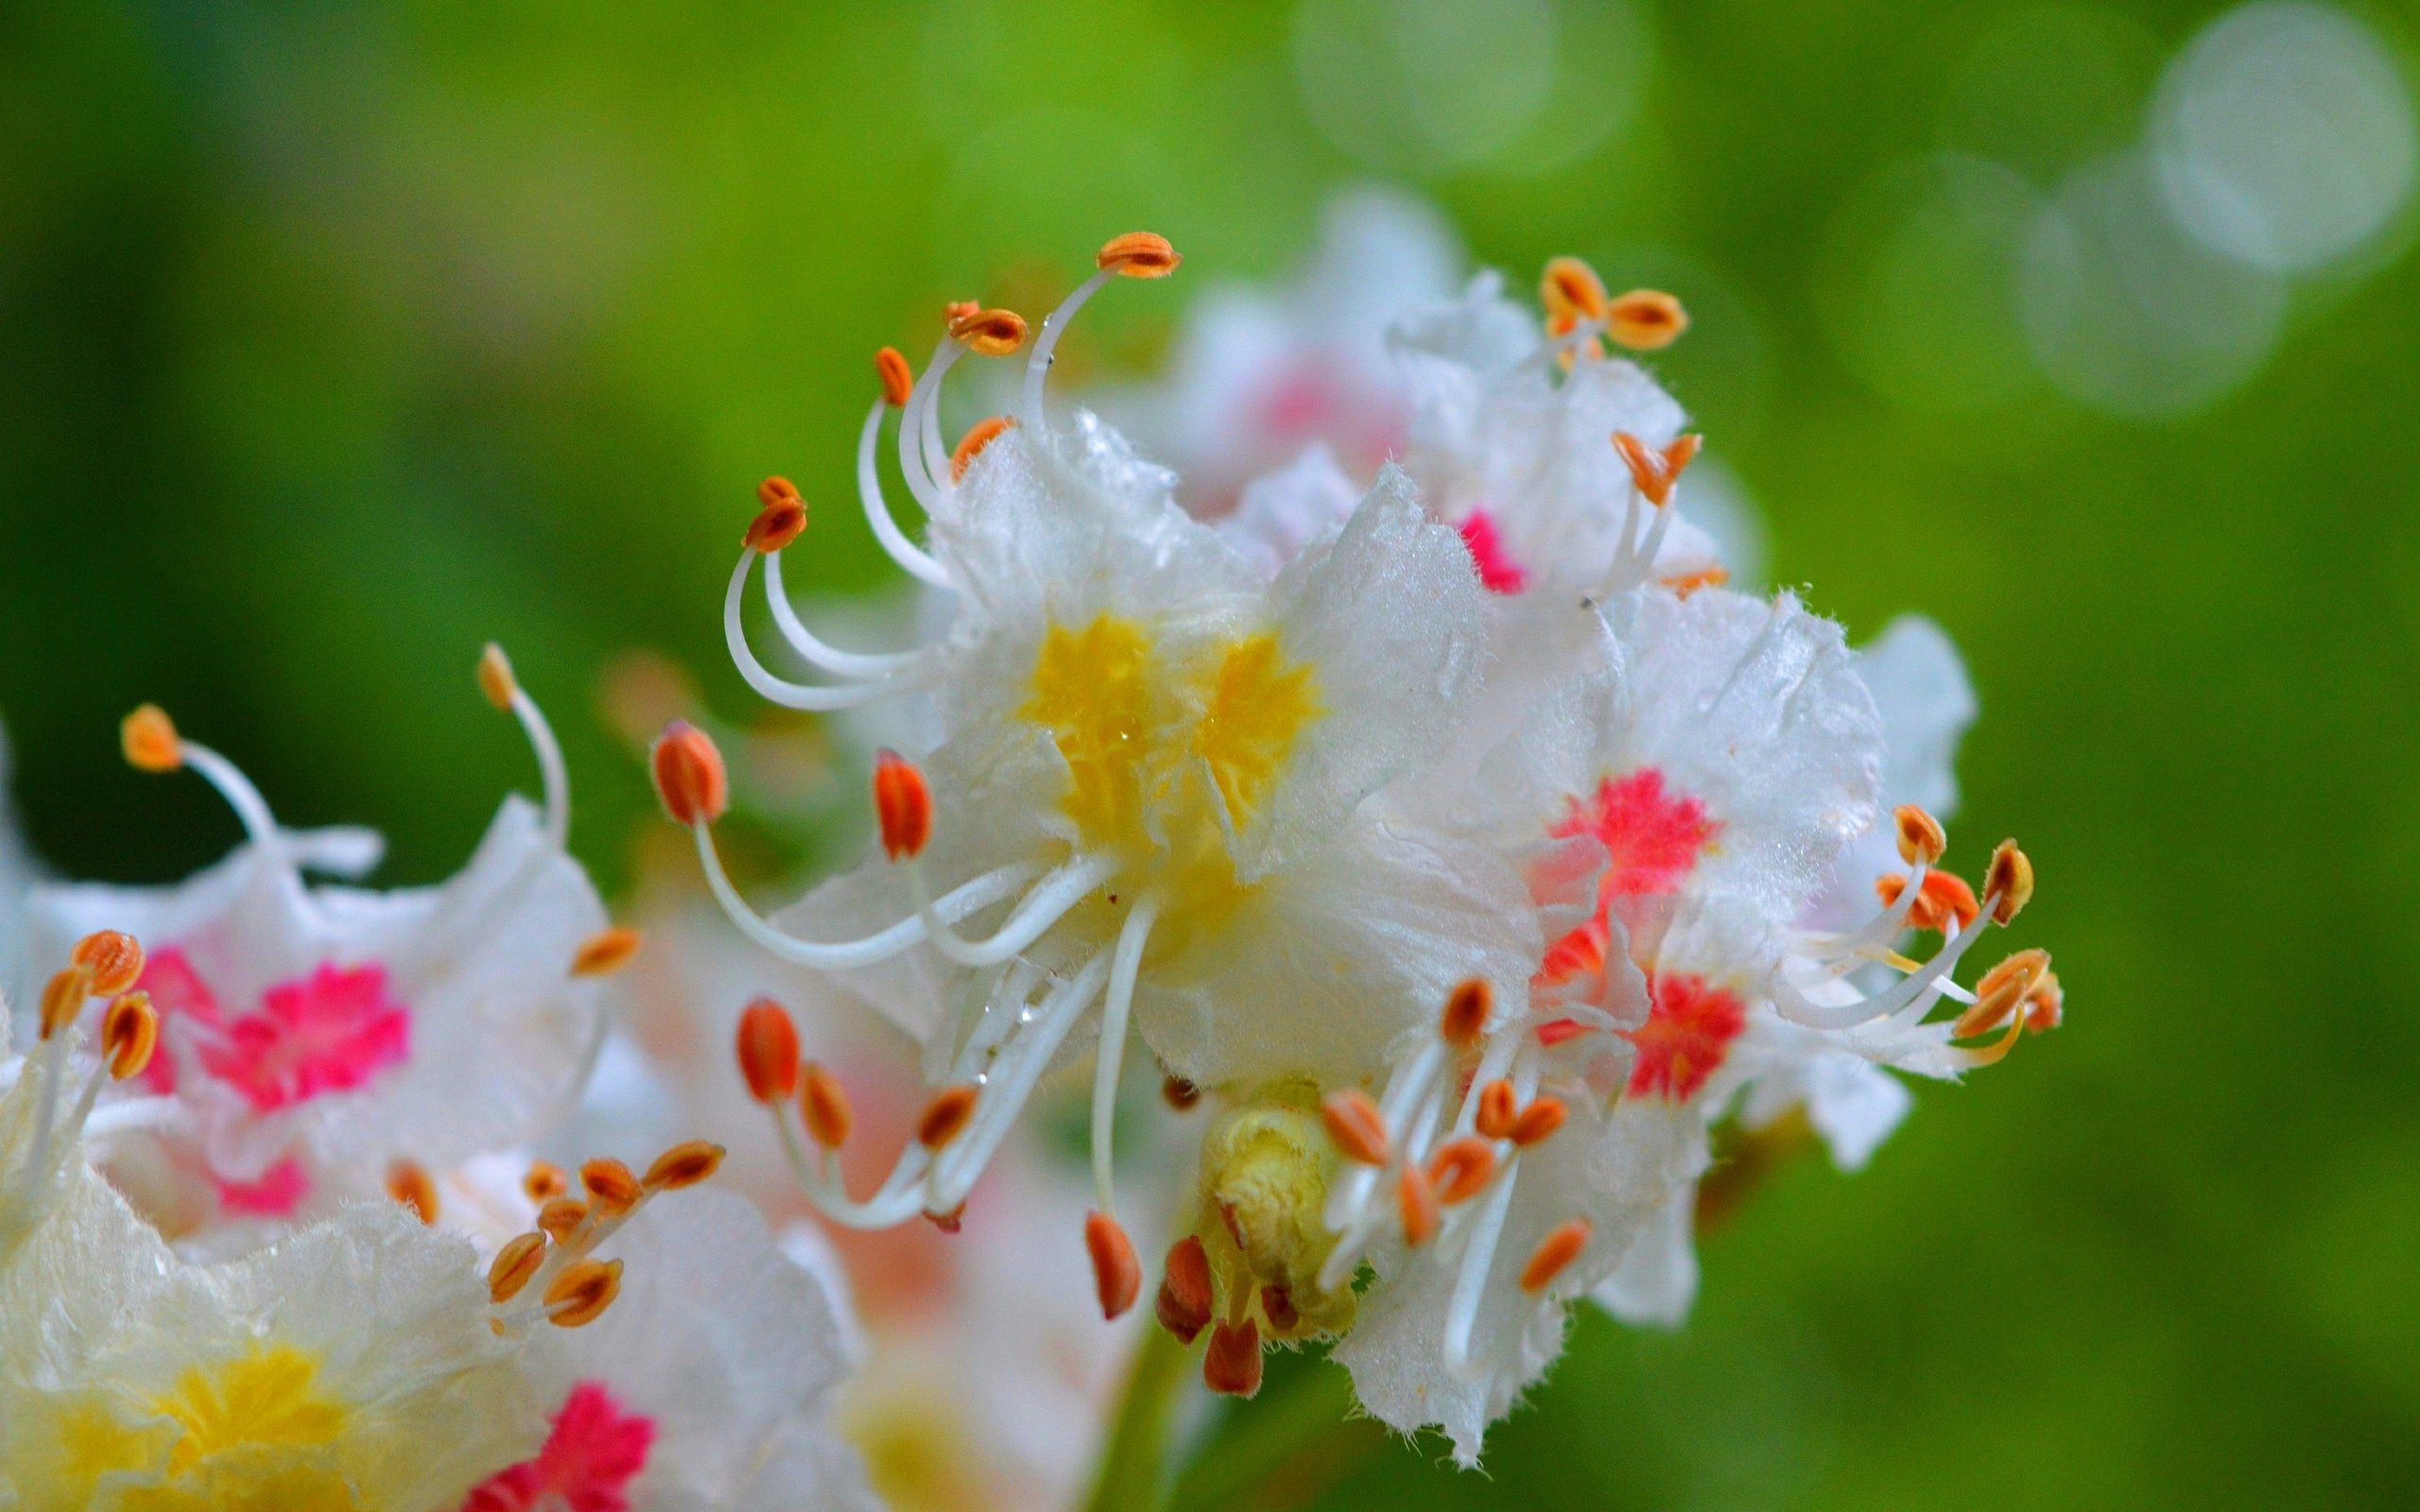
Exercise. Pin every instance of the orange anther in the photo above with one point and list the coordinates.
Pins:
(129, 1032)
(689, 776)
(1555, 1031)
(1185, 1299)
(514, 1265)
(150, 738)
(1179, 1093)
(1277, 1304)
(767, 1050)
(903, 805)
(2000, 991)
(582, 1292)
(1683, 584)
(778, 489)
(1571, 291)
(1356, 1124)
(1232, 1365)
(775, 526)
(1467, 1011)
(1646, 320)
(1117, 1276)
(1498, 1108)
(898, 379)
(1559, 1248)
(115, 960)
(683, 1165)
(2008, 882)
(408, 1184)
(989, 333)
(611, 1186)
(63, 997)
(950, 1222)
(1944, 903)
(1539, 1120)
(1921, 836)
(945, 1117)
(957, 310)
(1459, 1168)
(545, 1181)
(2046, 1006)
(970, 446)
(1654, 472)
(1139, 254)
(1416, 1203)
(559, 1216)
(825, 1105)
(606, 951)
(497, 682)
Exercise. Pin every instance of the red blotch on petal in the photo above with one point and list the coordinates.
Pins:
(594, 1453)
(329, 1032)
(177, 991)
(1652, 839)
(278, 1191)
(1497, 572)
(1686, 1038)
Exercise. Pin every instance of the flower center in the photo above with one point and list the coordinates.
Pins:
(252, 1432)
(329, 1032)
(592, 1453)
(1686, 1037)
(1652, 839)
(1497, 572)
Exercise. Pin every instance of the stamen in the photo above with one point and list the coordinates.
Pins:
(1139, 254)
(1186, 1297)
(606, 951)
(2000, 991)
(1558, 1249)
(114, 959)
(898, 379)
(504, 691)
(1109, 1060)
(582, 1292)
(409, 1184)
(1943, 902)
(1052, 899)
(611, 1187)
(825, 1105)
(989, 333)
(560, 1217)
(496, 677)
(1416, 1204)
(970, 897)
(767, 1050)
(1646, 320)
(689, 776)
(1117, 1276)
(1459, 1168)
(514, 1265)
(2008, 882)
(64, 999)
(1179, 1093)
(1466, 1013)
(2046, 1006)
(150, 739)
(957, 310)
(683, 1165)
(1555, 1031)
(1571, 291)
(1538, 1121)
(1683, 584)
(545, 1181)
(1232, 1365)
(781, 521)
(1921, 836)
(129, 1033)
(1497, 1107)
(1356, 1124)
(873, 671)
(970, 446)
(1653, 473)
(918, 562)
(902, 803)
(945, 1117)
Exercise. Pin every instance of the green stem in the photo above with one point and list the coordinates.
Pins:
(1283, 1453)
(1134, 1474)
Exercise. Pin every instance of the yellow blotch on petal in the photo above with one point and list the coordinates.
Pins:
(251, 1432)
(1259, 706)
(1093, 691)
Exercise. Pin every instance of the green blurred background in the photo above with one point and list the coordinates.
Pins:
(335, 341)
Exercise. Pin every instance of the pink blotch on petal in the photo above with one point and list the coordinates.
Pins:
(329, 1032)
(594, 1453)
(1497, 572)
(1686, 1038)
(178, 992)
(1652, 839)
(280, 1190)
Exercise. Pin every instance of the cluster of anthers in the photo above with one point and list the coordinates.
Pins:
(557, 1260)
(103, 969)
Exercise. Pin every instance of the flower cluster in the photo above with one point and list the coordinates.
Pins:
(269, 1234)
(1463, 839)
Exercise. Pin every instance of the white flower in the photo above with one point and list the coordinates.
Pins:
(1153, 788)
(313, 1036)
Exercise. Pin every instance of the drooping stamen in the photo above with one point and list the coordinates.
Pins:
(2000, 991)
(129, 1033)
(613, 1190)
(1416, 1206)
(970, 446)
(1559, 1248)
(1498, 1108)
(781, 518)
(1459, 1168)
(823, 1104)
(1918, 992)
(1117, 1276)
(2008, 879)
(1354, 1123)
(1644, 319)
(898, 379)
(115, 960)
(513, 1265)
(408, 1184)
(1013, 1076)
(1571, 289)
(1538, 1121)
(945, 1117)
(914, 559)
(504, 691)
(1136, 255)
(1230, 1366)
(582, 1292)
(861, 666)
(1921, 839)
(780, 690)
(683, 1165)
(559, 1218)
(1126, 963)
(1052, 899)
(149, 740)
(689, 775)
(902, 805)
(1466, 1014)
(545, 1181)
(1186, 1297)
